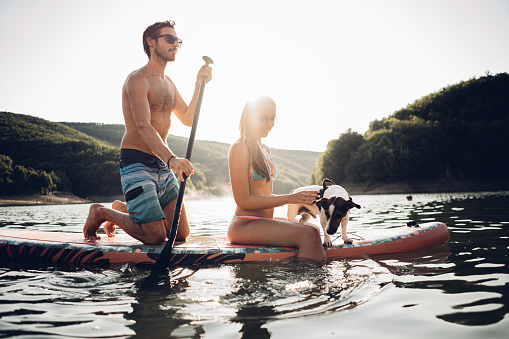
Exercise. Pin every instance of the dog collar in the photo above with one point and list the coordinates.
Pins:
(322, 191)
(324, 186)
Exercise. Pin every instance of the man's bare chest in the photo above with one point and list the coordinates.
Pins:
(161, 95)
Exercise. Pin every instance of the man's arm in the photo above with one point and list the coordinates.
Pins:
(184, 112)
(137, 88)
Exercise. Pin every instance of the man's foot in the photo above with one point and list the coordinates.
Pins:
(119, 206)
(93, 223)
(109, 227)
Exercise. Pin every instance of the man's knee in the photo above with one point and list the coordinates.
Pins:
(182, 233)
(154, 241)
(154, 233)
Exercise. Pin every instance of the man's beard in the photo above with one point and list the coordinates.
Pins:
(168, 57)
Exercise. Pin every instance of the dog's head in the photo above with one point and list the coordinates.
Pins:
(335, 210)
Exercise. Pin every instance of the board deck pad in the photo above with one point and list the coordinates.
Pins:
(73, 249)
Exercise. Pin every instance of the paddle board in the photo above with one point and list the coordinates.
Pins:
(72, 249)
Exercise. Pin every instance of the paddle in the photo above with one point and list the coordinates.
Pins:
(160, 270)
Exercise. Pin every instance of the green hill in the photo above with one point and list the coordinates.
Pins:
(456, 138)
(210, 159)
(40, 156)
(76, 162)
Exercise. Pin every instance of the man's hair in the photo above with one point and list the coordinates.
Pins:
(152, 30)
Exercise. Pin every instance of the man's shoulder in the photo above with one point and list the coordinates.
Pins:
(137, 74)
(168, 78)
(137, 77)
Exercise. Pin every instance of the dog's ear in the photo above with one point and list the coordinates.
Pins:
(351, 204)
(324, 203)
(321, 204)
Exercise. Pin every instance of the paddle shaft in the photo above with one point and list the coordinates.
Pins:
(163, 262)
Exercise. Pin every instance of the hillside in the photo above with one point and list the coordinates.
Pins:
(74, 161)
(453, 139)
(38, 156)
(210, 158)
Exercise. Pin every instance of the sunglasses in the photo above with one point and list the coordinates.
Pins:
(170, 38)
(265, 119)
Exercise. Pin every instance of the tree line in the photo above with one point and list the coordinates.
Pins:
(458, 133)
(42, 156)
(16, 179)
(39, 156)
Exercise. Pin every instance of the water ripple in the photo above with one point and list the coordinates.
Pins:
(464, 283)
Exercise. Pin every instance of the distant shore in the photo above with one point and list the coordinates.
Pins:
(429, 186)
(41, 199)
(407, 188)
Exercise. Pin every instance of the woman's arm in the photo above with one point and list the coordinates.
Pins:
(238, 161)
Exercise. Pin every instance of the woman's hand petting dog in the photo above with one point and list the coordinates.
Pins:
(303, 197)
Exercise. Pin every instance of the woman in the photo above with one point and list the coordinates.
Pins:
(251, 172)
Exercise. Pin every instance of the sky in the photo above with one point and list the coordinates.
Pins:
(329, 65)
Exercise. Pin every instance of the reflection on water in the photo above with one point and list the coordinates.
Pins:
(62, 301)
(457, 289)
(479, 288)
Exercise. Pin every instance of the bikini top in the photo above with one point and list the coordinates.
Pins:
(272, 166)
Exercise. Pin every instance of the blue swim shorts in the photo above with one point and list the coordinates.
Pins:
(148, 185)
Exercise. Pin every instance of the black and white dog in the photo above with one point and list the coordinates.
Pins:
(333, 207)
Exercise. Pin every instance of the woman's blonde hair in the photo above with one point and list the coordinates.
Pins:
(257, 157)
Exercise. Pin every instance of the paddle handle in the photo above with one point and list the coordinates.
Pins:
(163, 262)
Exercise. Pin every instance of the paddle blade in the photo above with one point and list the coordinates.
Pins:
(155, 278)
(207, 60)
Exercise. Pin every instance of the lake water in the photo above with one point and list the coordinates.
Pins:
(460, 290)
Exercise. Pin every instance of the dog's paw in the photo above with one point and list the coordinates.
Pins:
(327, 244)
(347, 241)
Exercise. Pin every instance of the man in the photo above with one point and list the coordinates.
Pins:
(146, 162)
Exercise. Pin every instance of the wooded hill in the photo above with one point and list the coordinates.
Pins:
(210, 159)
(40, 156)
(456, 136)
(454, 139)
(67, 159)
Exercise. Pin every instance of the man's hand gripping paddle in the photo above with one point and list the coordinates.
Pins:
(160, 271)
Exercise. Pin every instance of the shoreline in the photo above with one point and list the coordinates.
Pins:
(405, 188)
(427, 186)
(42, 199)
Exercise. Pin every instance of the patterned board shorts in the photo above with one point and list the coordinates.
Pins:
(148, 185)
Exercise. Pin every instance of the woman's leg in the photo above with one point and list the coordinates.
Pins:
(274, 232)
